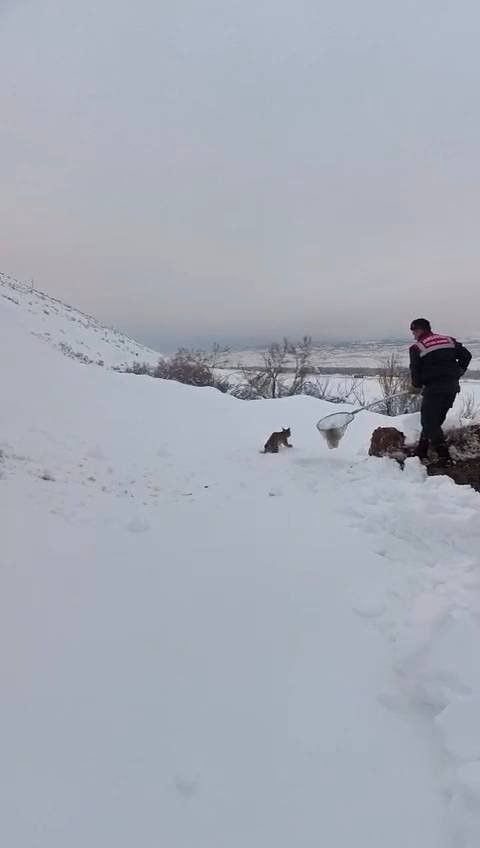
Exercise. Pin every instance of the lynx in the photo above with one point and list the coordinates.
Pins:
(272, 445)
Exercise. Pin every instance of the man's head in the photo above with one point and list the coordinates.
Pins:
(419, 327)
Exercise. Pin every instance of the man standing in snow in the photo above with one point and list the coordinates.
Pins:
(436, 365)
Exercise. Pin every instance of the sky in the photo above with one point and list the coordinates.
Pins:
(238, 171)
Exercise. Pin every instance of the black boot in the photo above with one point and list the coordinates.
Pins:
(443, 454)
(422, 450)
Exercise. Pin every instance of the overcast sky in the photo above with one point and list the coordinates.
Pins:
(243, 169)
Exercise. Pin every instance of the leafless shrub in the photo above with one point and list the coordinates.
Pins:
(252, 385)
(349, 391)
(300, 353)
(394, 380)
(287, 369)
(184, 368)
(218, 356)
(274, 362)
(139, 368)
(284, 371)
(469, 408)
(75, 354)
(357, 391)
(193, 368)
(318, 387)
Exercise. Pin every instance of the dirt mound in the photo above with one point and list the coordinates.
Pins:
(463, 443)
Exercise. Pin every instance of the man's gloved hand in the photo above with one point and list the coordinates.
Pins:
(416, 390)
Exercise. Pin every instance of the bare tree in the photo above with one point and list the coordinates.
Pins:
(395, 379)
(219, 356)
(274, 361)
(301, 355)
(283, 372)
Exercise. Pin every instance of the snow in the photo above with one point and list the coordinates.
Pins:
(206, 646)
(82, 337)
(72, 332)
(353, 354)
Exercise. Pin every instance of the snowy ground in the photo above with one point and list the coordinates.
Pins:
(206, 647)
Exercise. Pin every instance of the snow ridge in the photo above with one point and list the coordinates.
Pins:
(74, 333)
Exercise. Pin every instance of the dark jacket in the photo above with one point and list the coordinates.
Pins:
(437, 363)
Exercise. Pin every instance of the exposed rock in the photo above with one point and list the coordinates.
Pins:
(464, 445)
(388, 441)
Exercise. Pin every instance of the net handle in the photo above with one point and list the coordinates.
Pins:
(338, 432)
(380, 400)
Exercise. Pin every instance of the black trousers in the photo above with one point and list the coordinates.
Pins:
(433, 413)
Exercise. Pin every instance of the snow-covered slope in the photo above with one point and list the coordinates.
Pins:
(72, 332)
(207, 647)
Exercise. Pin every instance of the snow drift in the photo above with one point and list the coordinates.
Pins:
(205, 646)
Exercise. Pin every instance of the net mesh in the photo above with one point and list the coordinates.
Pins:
(333, 427)
(333, 436)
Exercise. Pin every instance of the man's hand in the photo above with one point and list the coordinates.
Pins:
(415, 390)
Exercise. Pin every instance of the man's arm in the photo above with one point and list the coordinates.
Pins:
(464, 357)
(415, 367)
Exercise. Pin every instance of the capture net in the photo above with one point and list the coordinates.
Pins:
(333, 427)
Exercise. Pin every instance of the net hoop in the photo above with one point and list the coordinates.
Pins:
(333, 427)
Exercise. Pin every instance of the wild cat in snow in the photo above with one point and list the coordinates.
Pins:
(272, 445)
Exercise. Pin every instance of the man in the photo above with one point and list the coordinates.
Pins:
(436, 365)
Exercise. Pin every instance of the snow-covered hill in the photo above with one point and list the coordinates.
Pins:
(75, 334)
(353, 355)
(207, 647)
